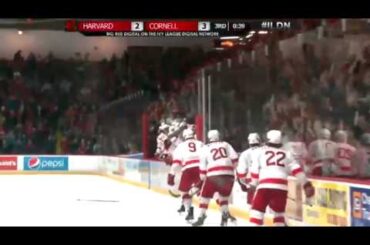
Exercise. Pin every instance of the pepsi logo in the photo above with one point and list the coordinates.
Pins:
(33, 162)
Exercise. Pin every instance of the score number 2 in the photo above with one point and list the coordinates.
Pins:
(137, 26)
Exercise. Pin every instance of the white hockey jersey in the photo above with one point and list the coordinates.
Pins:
(343, 158)
(245, 162)
(361, 162)
(218, 158)
(187, 155)
(161, 138)
(298, 150)
(271, 167)
(175, 141)
(321, 150)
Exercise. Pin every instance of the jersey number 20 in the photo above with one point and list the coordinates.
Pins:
(219, 153)
(344, 153)
(271, 160)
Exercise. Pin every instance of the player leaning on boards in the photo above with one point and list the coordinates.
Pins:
(298, 149)
(244, 164)
(269, 171)
(321, 153)
(343, 155)
(163, 143)
(361, 158)
(217, 167)
(186, 156)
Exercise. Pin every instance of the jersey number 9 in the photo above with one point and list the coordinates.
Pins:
(192, 147)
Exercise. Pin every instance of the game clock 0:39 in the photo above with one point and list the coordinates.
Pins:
(239, 28)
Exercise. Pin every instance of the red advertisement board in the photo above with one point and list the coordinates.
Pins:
(8, 163)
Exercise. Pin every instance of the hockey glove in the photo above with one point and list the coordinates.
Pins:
(243, 186)
(171, 179)
(309, 190)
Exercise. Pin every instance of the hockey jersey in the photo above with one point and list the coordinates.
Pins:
(271, 167)
(298, 150)
(218, 158)
(161, 146)
(320, 151)
(343, 158)
(187, 155)
(361, 162)
(245, 162)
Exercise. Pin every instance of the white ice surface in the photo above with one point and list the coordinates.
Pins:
(86, 200)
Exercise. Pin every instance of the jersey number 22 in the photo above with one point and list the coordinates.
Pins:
(275, 158)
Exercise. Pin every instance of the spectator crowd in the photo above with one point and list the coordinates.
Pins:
(49, 105)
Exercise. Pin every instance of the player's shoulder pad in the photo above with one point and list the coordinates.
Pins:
(227, 144)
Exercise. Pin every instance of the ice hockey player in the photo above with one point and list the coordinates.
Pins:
(217, 167)
(269, 172)
(162, 142)
(361, 158)
(244, 164)
(321, 154)
(298, 148)
(172, 141)
(343, 155)
(187, 157)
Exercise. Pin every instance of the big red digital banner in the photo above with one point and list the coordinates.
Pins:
(8, 163)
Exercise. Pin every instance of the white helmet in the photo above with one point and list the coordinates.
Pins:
(325, 133)
(188, 133)
(172, 129)
(163, 127)
(254, 138)
(341, 136)
(274, 136)
(213, 135)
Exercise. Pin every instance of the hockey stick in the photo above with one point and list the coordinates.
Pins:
(175, 195)
(95, 200)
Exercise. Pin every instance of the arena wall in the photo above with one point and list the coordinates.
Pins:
(336, 203)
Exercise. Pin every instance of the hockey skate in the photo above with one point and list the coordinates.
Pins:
(190, 215)
(200, 221)
(181, 209)
(226, 217)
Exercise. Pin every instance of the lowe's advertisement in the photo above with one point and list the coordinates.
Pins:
(360, 206)
(45, 163)
(330, 205)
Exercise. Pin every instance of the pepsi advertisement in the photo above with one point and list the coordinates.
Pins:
(360, 206)
(46, 163)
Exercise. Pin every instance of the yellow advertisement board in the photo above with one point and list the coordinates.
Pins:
(330, 205)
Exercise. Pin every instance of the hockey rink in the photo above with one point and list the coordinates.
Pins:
(87, 200)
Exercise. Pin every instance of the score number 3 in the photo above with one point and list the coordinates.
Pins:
(204, 26)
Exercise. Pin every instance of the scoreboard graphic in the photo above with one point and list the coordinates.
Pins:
(174, 28)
